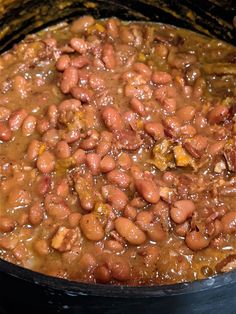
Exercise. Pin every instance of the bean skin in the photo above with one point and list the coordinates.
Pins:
(186, 113)
(55, 207)
(107, 164)
(79, 156)
(108, 56)
(29, 125)
(33, 149)
(115, 197)
(119, 178)
(196, 241)
(82, 24)
(36, 214)
(229, 222)
(93, 163)
(16, 119)
(70, 78)
(81, 93)
(46, 162)
(112, 119)
(62, 63)
(5, 132)
(159, 77)
(128, 230)
(91, 227)
(182, 210)
(114, 246)
(138, 107)
(7, 224)
(79, 45)
(156, 130)
(142, 69)
(62, 150)
(148, 190)
(218, 114)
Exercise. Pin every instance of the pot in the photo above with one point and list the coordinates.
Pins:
(26, 291)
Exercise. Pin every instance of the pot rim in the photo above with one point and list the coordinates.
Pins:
(73, 288)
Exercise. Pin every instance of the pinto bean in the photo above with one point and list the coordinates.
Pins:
(128, 230)
(62, 150)
(143, 219)
(108, 56)
(216, 148)
(159, 77)
(186, 113)
(218, 114)
(196, 241)
(91, 227)
(112, 28)
(172, 126)
(155, 129)
(74, 219)
(33, 149)
(43, 184)
(5, 132)
(55, 207)
(119, 178)
(18, 197)
(115, 197)
(142, 69)
(114, 246)
(29, 125)
(125, 161)
(52, 115)
(36, 213)
(169, 105)
(138, 107)
(107, 164)
(97, 83)
(70, 78)
(196, 145)
(42, 125)
(93, 163)
(156, 233)
(7, 224)
(182, 229)
(229, 222)
(79, 45)
(80, 62)
(51, 137)
(16, 119)
(79, 157)
(102, 274)
(46, 162)
(41, 247)
(119, 268)
(82, 24)
(81, 93)
(182, 210)
(4, 113)
(112, 119)
(63, 63)
(148, 190)
(130, 212)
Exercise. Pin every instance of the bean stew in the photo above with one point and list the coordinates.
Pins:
(118, 153)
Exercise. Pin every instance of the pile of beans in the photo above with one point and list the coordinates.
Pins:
(118, 153)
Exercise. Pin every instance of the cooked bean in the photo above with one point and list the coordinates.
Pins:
(51, 137)
(81, 93)
(33, 149)
(120, 269)
(80, 62)
(144, 219)
(196, 241)
(188, 130)
(93, 163)
(159, 77)
(108, 56)
(182, 210)
(182, 229)
(138, 107)
(155, 129)
(41, 247)
(16, 119)
(128, 230)
(156, 233)
(79, 156)
(52, 115)
(74, 219)
(82, 24)
(114, 246)
(148, 190)
(43, 184)
(55, 207)
(142, 69)
(119, 178)
(91, 227)
(79, 45)
(62, 150)
(96, 82)
(218, 114)
(186, 113)
(115, 197)
(112, 28)
(216, 148)
(229, 222)
(124, 161)
(36, 214)
(46, 162)
(107, 164)
(112, 119)
(130, 212)
(4, 113)
(7, 224)
(70, 78)
(169, 105)
(29, 125)
(5, 132)
(172, 126)
(63, 63)
(62, 188)
(19, 197)
(42, 125)
(102, 274)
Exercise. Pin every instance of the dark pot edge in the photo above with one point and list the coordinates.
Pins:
(72, 288)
